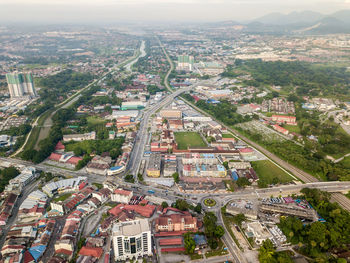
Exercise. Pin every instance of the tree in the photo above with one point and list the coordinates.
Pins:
(219, 231)
(165, 204)
(129, 178)
(181, 204)
(176, 177)
(213, 244)
(239, 219)
(198, 208)
(266, 252)
(242, 182)
(190, 244)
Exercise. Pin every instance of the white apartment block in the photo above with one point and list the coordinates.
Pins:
(131, 239)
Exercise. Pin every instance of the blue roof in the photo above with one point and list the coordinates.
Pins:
(116, 168)
(221, 168)
(200, 239)
(37, 251)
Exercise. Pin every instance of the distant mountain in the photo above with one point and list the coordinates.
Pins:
(291, 18)
(343, 15)
(307, 22)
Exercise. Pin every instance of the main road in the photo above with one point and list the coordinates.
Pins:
(304, 176)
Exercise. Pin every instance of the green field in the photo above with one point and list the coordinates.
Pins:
(267, 171)
(227, 135)
(292, 128)
(62, 197)
(189, 139)
(95, 120)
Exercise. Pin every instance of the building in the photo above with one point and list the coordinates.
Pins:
(185, 63)
(280, 129)
(204, 170)
(175, 124)
(99, 165)
(176, 222)
(259, 232)
(171, 114)
(218, 94)
(21, 180)
(132, 105)
(199, 158)
(154, 165)
(122, 196)
(20, 84)
(170, 165)
(282, 119)
(79, 137)
(131, 239)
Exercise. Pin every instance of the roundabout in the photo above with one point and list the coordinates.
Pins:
(209, 202)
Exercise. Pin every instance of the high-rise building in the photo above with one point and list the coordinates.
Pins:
(185, 62)
(132, 239)
(20, 84)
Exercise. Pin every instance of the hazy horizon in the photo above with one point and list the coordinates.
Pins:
(114, 11)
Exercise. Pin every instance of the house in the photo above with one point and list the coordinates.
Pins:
(280, 129)
(122, 196)
(176, 222)
(282, 119)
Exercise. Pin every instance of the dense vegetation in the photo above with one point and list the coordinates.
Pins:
(311, 80)
(212, 231)
(113, 147)
(55, 88)
(48, 144)
(6, 175)
(331, 139)
(302, 157)
(316, 239)
(224, 111)
(268, 254)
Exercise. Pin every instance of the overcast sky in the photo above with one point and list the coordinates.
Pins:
(109, 11)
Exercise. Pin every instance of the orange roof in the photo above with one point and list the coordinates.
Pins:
(95, 252)
(122, 192)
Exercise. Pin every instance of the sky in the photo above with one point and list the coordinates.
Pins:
(114, 11)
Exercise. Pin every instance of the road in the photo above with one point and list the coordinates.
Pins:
(27, 190)
(48, 122)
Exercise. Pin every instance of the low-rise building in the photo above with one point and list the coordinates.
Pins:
(282, 119)
(204, 170)
(79, 137)
(199, 158)
(176, 222)
(154, 165)
(122, 196)
(99, 165)
(171, 114)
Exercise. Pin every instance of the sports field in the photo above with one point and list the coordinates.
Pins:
(188, 139)
(270, 173)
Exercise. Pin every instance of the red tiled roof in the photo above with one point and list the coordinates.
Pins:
(122, 192)
(170, 234)
(59, 146)
(28, 257)
(55, 156)
(74, 160)
(170, 242)
(173, 249)
(91, 251)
